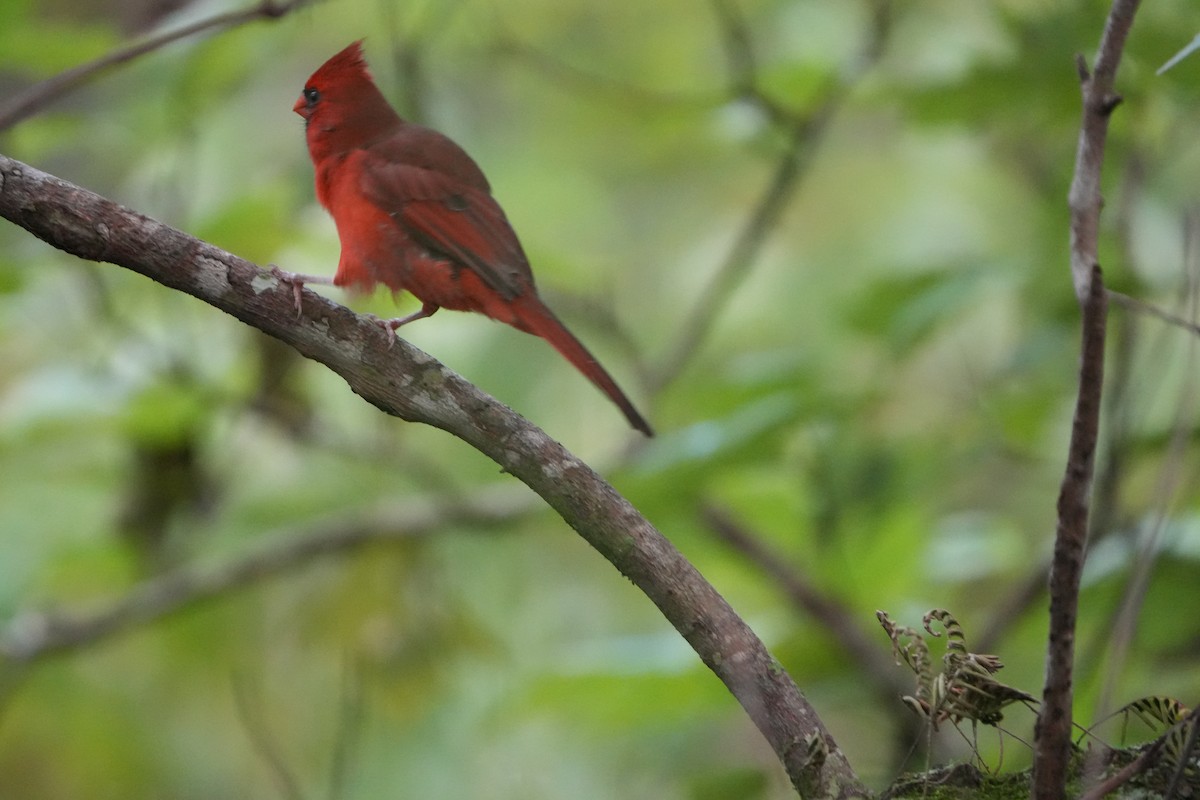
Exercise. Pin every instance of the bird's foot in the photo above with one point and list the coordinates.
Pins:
(297, 280)
(293, 279)
(388, 327)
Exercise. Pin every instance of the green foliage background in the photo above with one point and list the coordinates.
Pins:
(884, 398)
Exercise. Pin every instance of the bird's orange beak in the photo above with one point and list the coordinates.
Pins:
(301, 107)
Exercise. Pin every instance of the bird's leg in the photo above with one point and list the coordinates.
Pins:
(427, 310)
(297, 281)
(390, 325)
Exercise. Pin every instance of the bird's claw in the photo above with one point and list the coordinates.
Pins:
(388, 328)
(293, 280)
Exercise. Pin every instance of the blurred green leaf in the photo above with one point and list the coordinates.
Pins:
(164, 412)
(904, 310)
(736, 784)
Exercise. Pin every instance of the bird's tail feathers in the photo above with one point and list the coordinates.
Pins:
(534, 317)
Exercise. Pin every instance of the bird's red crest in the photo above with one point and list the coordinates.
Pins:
(349, 62)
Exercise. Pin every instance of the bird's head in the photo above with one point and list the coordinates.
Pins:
(341, 106)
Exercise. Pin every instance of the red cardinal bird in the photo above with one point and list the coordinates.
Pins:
(414, 212)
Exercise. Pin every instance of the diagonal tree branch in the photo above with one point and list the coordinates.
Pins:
(407, 383)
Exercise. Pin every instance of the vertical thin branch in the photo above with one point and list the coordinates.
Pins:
(1053, 733)
(1099, 100)
(1052, 745)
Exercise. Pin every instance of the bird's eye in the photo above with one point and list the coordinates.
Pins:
(311, 95)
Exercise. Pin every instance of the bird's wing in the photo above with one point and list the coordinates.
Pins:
(451, 218)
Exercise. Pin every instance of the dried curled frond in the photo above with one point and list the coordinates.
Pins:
(908, 644)
(956, 639)
(1159, 713)
(964, 687)
(1173, 722)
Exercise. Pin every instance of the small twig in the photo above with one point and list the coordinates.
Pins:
(743, 63)
(249, 711)
(1188, 49)
(580, 81)
(1131, 769)
(1151, 310)
(29, 102)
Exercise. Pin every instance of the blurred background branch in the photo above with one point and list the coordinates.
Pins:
(40, 95)
(36, 634)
